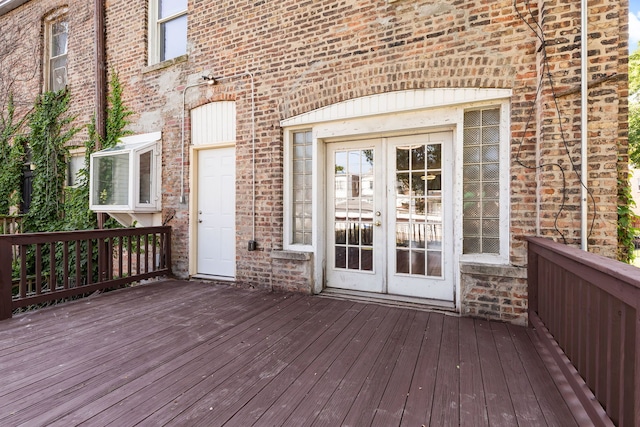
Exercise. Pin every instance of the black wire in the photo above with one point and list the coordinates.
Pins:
(546, 72)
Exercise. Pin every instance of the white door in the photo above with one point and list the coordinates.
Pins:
(216, 213)
(389, 205)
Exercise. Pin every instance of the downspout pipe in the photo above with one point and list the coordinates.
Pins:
(101, 81)
(585, 128)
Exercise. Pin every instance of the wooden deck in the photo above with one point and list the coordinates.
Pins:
(186, 353)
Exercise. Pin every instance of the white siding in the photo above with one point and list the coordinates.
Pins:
(395, 102)
(213, 123)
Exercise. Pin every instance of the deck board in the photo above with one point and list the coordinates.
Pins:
(188, 353)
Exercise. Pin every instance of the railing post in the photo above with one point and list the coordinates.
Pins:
(6, 306)
(532, 277)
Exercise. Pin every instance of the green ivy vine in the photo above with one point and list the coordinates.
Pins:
(11, 157)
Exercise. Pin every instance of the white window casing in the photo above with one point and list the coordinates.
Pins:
(167, 30)
(126, 178)
(394, 114)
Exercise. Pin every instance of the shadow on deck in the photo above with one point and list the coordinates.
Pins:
(188, 353)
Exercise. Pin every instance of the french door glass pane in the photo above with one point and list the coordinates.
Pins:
(418, 213)
(353, 209)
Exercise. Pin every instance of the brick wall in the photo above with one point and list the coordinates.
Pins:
(314, 53)
(23, 30)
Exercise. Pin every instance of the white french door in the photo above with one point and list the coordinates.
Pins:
(389, 210)
(216, 216)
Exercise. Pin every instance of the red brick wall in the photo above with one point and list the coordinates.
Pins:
(23, 28)
(314, 53)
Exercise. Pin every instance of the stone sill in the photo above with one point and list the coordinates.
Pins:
(494, 270)
(291, 255)
(165, 64)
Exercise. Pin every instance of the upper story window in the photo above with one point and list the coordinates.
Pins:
(56, 64)
(167, 29)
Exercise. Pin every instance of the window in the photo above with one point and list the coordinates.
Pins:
(167, 29)
(481, 182)
(74, 165)
(125, 178)
(302, 156)
(57, 42)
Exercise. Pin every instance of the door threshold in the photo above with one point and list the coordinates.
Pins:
(391, 300)
(211, 277)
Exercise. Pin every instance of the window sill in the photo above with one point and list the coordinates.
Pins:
(165, 64)
(291, 255)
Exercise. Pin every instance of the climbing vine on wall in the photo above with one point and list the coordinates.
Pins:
(78, 216)
(11, 158)
(50, 129)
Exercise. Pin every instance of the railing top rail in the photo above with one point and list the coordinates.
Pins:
(67, 236)
(607, 266)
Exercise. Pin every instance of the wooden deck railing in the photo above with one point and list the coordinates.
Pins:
(53, 266)
(10, 224)
(591, 306)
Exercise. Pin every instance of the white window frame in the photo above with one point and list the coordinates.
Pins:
(394, 114)
(75, 154)
(155, 42)
(56, 17)
(505, 202)
(288, 193)
(134, 146)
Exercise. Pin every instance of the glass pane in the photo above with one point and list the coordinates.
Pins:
(402, 261)
(434, 209)
(111, 180)
(490, 246)
(353, 259)
(471, 227)
(490, 209)
(353, 163)
(58, 73)
(472, 118)
(418, 157)
(341, 233)
(471, 137)
(471, 154)
(434, 156)
(471, 190)
(434, 263)
(75, 164)
(170, 7)
(145, 178)
(341, 257)
(490, 172)
(417, 183)
(434, 235)
(417, 263)
(471, 172)
(367, 162)
(402, 235)
(491, 190)
(434, 182)
(402, 184)
(367, 235)
(491, 153)
(491, 117)
(418, 235)
(417, 213)
(491, 135)
(402, 158)
(341, 163)
(471, 245)
(59, 44)
(471, 209)
(366, 259)
(491, 228)
(354, 234)
(173, 38)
